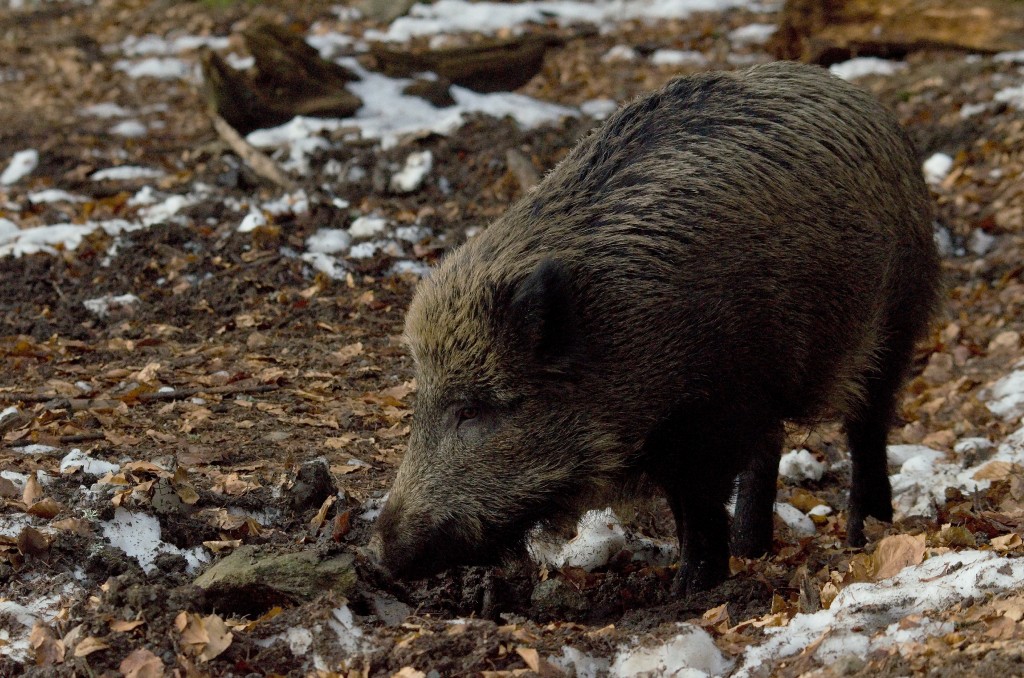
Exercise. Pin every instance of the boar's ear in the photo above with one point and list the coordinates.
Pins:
(543, 312)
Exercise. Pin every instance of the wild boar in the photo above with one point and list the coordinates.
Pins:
(729, 253)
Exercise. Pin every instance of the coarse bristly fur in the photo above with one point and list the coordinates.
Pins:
(726, 254)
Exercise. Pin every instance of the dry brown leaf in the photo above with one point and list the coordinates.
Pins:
(89, 645)
(321, 515)
(206, 637)
(124, 626)
(142, 664)
(49, 650)
(998, 470)
(1007, 542)
(33, 491)
(73, 525)
(222, 544)
(8, 490)
(45, 508)
(896, 552)
(347, 354)
(33, 542)
(408, 672)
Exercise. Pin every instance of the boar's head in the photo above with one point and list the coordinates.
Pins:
(499, 440)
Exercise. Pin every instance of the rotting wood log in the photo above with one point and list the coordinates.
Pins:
(828, 31)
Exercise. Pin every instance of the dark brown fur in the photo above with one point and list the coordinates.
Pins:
(726, 254)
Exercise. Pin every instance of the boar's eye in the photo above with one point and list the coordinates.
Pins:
(468, 413)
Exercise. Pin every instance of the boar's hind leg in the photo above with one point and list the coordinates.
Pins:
(867, 430)
(755, 497)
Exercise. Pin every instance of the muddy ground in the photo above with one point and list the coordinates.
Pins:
(240, 364)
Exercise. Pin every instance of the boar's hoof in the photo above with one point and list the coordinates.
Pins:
(698, 576)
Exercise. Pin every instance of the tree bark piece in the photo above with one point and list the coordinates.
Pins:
(495, 65)
(828, 31)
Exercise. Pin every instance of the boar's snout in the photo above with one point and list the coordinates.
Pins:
(407, 547)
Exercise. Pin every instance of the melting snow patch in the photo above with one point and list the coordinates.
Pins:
(329, 241)
(21, 165)
(598, 109)
(53, 195)
(253, 220)
(620, 53)
(798, 465)
(129, 128)
(102, 306)
(937, 167)
(289, 203)
(93, 467)
(862, 66)
(1013, 96)
(326, 264)
(678, 57)
(107, 109)
(367, 227)
(1011, 57)
(861, 610)
(417, 167)
(154, 44)
(599, 536)
(161, 68)
(14, 643)
(690, 654)
(343, 622)
(1006, 397)
(138, 535)
(126, 173)
(581, 665)
(453, 16)
(753, 34)
(363, 250)
(403, 267)
(797, 521)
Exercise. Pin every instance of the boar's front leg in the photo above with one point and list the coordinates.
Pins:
(696, 468)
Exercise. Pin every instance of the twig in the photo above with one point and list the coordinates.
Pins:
(257, 160)
(63, 440)
(189, 392)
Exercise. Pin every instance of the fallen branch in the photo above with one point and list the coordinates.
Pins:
(257, 160)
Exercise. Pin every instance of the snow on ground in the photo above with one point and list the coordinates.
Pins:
(798, 465)
(456, 16)
(752, 34)
(677, 57)
(692, 653)
(21, 165)
(937, 167)
(865, 617)
(862, 66)
(14, 638)
(102, 306)
(126, 173)
(51, 195)
(138, 535)
(161, 68)
(1006, 397)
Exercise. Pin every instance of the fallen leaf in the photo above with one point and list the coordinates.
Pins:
(33, 491)
(142, 664)
(408, 672)
(45, 508)
(48, 649)
(123, 626)
(342, 525)
(8, 490)
(206, 637)
(89, 645)
(73, 525)
(347, 354)
(321, 515)
(1007, 542)
(896, 552)
(33, 542)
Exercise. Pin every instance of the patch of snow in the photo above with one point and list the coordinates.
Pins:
(161, 213)
(413, 234)
(752, 34)
(138, 535)
(289, 203)
(343, 623)
(980, 243)
(151, 44)
(898, 455)
(16, 643)
(678, 57)
(862, 617)
(367, 226)
(1006, 397)
(620, 53)
(329, 241)
(1010, 57)
(330, 266)
(363, 250)
(37, 448)
(405, 266)
(239, 62)
(410, 178)
(11, 525)
(797, 521)
(820, 510)
(799, 465)
(53, 195)
(129, 128)
(967, 110)
(859, 67)
(690, 654)
(126, 173)
(598, 109)
(329, 43)
(21, 165)
(599, 536)
(253, 220)
(456, 16)
(48, 238)
(1012, 96)
(579, 664)
(89, 466)
(102, 306)
(937, 167)
(161, 68)
(107, 109)
(11, 412)
(388, 114)
(372, 507)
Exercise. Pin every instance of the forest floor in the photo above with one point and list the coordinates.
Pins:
(174, 387)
